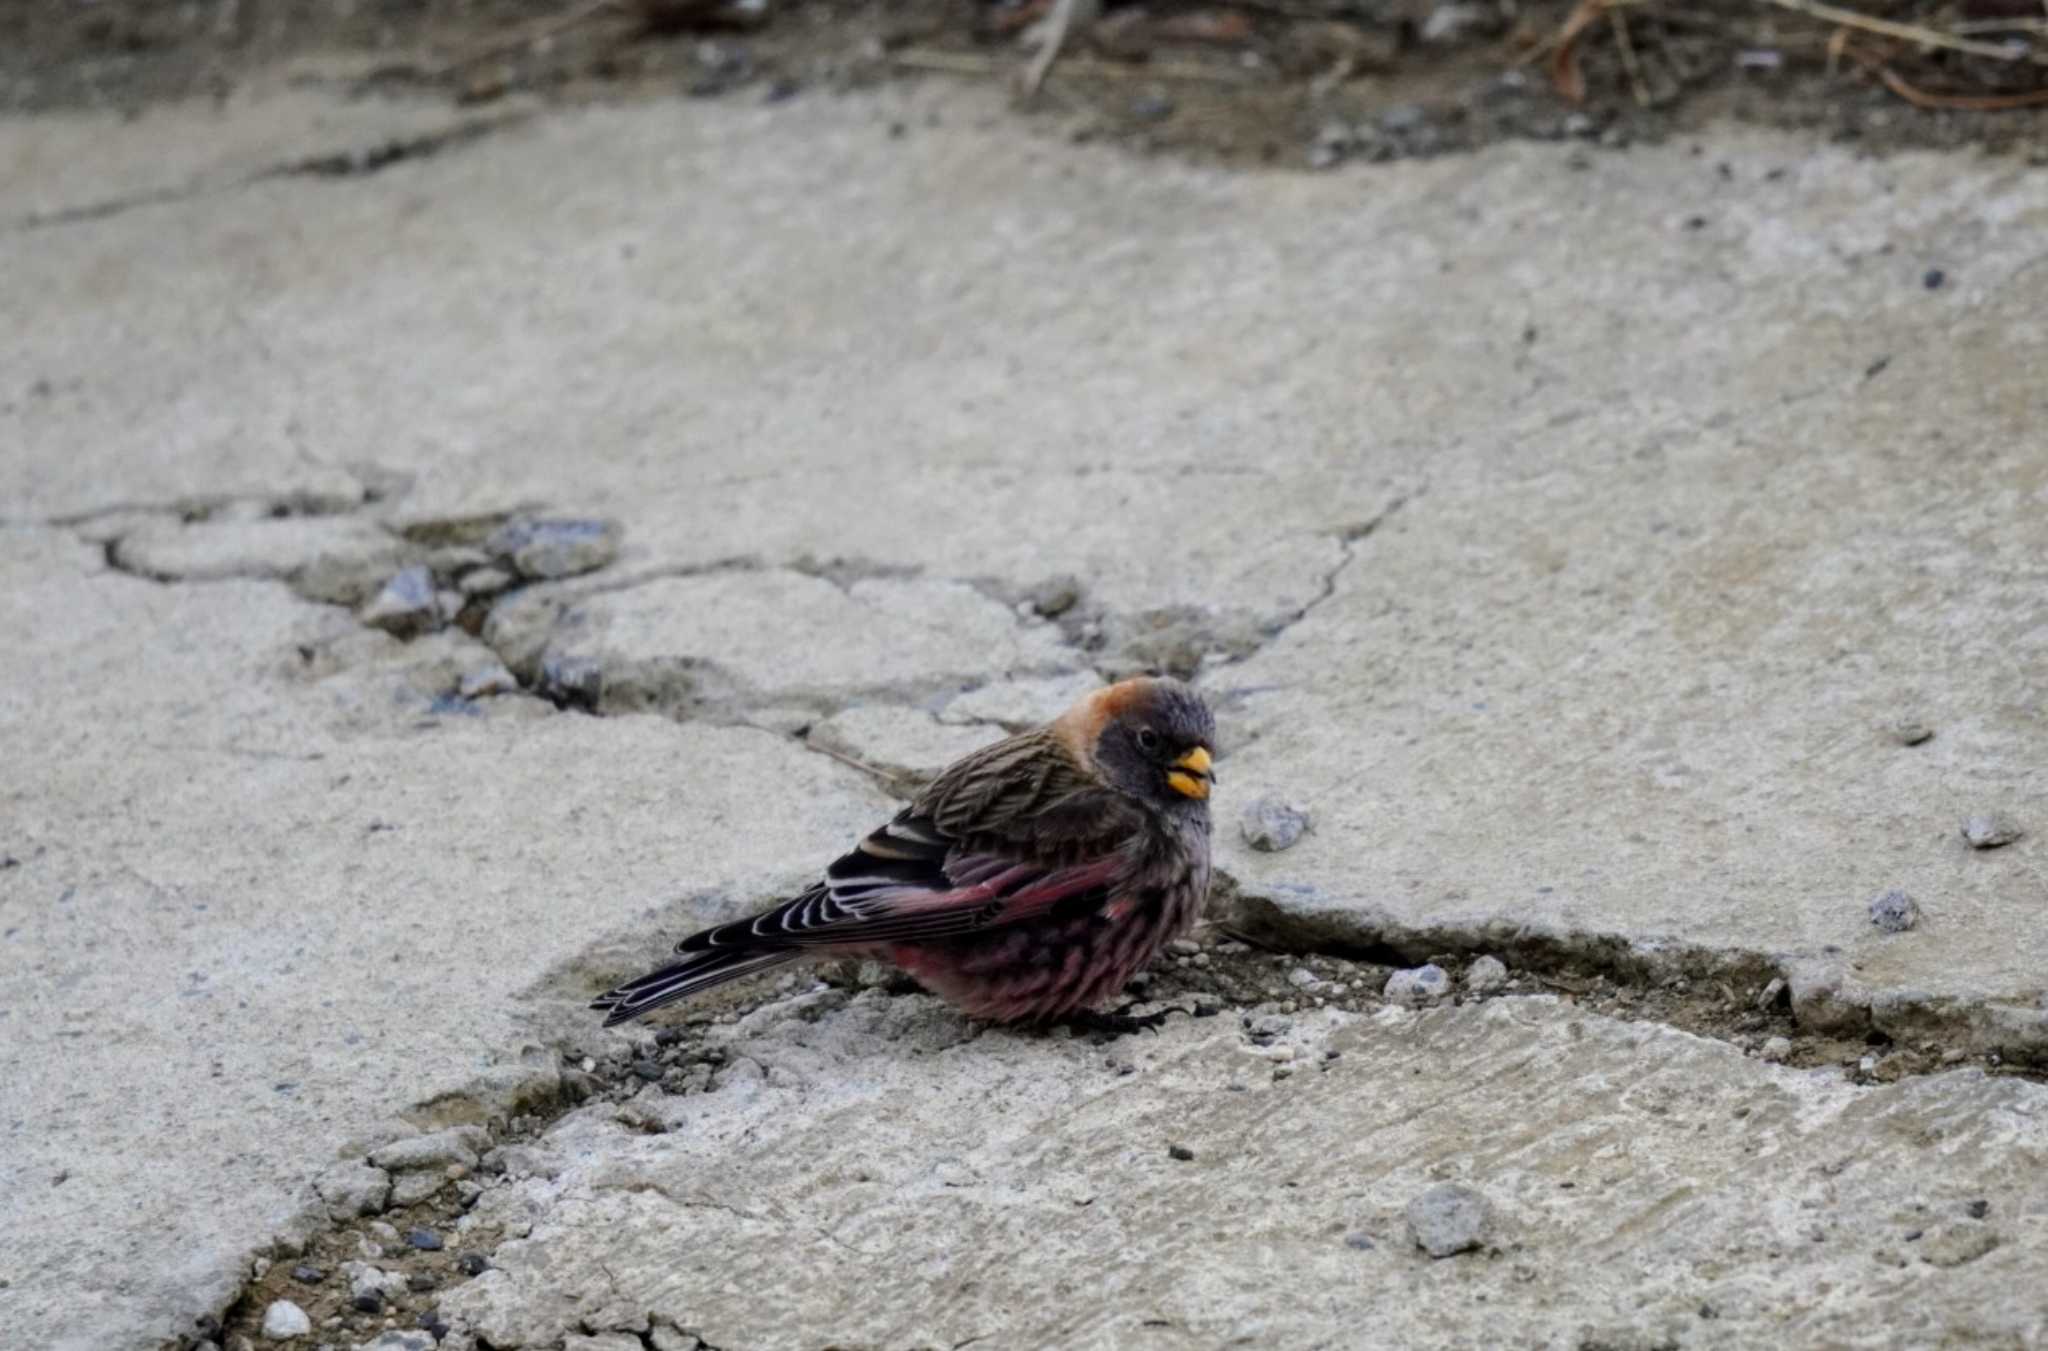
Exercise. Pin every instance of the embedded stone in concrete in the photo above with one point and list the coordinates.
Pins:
(339, 559)
(1447, 1219)
(545, 548)
(406, 605)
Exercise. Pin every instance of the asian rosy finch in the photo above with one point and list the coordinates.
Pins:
(1030, 881)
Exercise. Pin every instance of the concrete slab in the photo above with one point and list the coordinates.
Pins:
(874, 1173)
(717, 643)
(257, 902)
(1642, 705)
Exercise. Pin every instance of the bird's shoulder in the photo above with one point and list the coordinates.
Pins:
(1027, 791)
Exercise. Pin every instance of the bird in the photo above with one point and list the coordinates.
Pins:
(1027, 883)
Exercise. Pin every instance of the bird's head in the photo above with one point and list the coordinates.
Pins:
(1150, 736)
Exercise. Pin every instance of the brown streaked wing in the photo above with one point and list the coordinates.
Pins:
(1027, 793)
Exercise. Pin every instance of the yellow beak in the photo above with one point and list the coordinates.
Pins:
(1191, 774)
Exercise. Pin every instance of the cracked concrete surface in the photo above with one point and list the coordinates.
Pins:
(1645, 1187)
(1701, 489)
(733, 640)
(65, 168)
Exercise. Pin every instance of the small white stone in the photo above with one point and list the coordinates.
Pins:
(1777, 1049)
(1447, 1219)
(1270, 825)
(1418, 986)
(1486, 975)
(284, 1320)
(1991, 831)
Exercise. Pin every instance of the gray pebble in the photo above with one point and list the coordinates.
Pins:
(412, 1188)
(352, 1189)
(1055, 596)
(1992, 830)
(1894, 912)
(458, 1144)
(1777, 1050)
(666, 1338)
(524, 1161)
(487, 680)
(1404, 117)
(1270, 825)
(1447, 1219)
(372, 1283)
(1151, 107)
(1417, 986)
(399, 1341)
(284, 1320)
(1267, 1026)
(406, 606)
(1486, 975)
(456, 560)
(542, 548)
(485, 582)
(1911, 732)
(1953, 1245)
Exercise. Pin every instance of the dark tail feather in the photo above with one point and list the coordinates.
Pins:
(694, 974)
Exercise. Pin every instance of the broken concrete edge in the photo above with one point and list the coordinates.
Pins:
(518, 1100)
(461, 1127)
(1823, 996)
(522, 620)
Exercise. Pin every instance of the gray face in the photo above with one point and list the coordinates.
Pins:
(1158, 748)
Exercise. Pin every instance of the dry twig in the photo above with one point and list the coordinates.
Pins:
(1627, 46)
(1565, 75)
(1933, 100)
(1907, 32)
(1057, 26)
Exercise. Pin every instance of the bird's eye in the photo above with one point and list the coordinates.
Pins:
(1148, 740)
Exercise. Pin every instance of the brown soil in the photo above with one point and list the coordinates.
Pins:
(1289, 82)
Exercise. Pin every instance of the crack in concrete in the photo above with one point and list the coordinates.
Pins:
(1812, 992)
(374, 159)
(1236, 980)
(356, 163)
(1818, 997)
(1348, 539)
